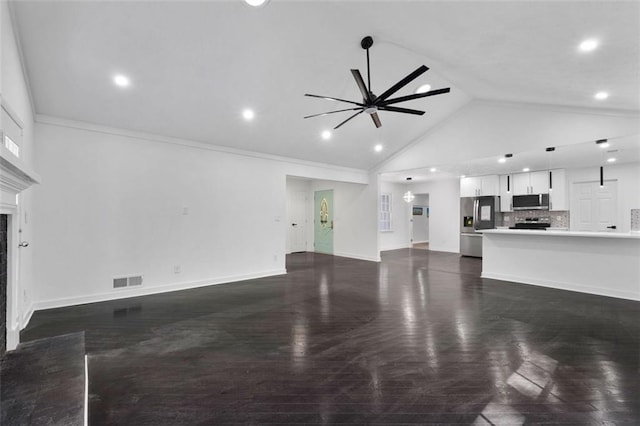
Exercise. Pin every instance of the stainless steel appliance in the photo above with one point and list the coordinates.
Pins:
(531, 202)
(476, 214)
(533, 223)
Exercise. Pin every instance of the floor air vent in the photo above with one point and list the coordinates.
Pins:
(127, 281)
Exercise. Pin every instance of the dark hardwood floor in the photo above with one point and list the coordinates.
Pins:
(418, 338)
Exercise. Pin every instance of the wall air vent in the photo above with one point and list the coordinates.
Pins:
(132, 281)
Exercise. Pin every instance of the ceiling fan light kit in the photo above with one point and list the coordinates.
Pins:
(372, 104)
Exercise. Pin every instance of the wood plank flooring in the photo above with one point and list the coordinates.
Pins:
(418, 338)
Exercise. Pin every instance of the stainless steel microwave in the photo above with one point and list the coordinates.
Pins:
(531, 202)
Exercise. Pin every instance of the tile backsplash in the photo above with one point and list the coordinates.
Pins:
(635, 219)
(558, 219)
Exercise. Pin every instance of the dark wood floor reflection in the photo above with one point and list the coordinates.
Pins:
(417, 338)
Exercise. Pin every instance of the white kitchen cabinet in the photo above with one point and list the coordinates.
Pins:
(558, 194)
(490, 185)
(505, 193)
(531, 183)
(539, 182)
(469, 186)
(479, 185)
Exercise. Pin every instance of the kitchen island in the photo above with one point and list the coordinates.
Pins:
(602, 263)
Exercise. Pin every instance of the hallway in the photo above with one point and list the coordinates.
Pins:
(417, 338)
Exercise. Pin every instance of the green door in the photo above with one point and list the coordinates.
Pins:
(323, 221)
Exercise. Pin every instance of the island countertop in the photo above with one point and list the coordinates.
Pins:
(563, 233)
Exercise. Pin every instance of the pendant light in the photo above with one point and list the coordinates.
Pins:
(601, 176)
(408, 196)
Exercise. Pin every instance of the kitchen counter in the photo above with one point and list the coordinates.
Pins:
(563, 232)
(603, 263)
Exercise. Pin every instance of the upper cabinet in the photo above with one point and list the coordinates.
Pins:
(480, 185)
(558, 194)
(531, 183)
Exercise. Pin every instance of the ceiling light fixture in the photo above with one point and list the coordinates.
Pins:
(588, 45)
(248, 114)
(502, 160)
(378, 148)
(601, 96)
(121, 80)
(463, 176)
(433, 169)
(526, 169)
(603, 143)
(326, 135)
(408, 196)
(611, 160)
(256, 3)
(423, 89)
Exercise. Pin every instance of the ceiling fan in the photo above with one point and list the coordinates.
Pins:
(371, 103)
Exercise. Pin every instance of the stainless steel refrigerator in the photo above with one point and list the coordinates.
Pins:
(476, 214)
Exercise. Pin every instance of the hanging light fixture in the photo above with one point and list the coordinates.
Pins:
(408, 196)
(601, 176)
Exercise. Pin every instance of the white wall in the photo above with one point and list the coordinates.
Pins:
(444, 213)
(355, 218)
(628, 177)
(14, 93)
(482, 129)
(112, 203)
(400, 234)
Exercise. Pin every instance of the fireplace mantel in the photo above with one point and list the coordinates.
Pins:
(15, 177)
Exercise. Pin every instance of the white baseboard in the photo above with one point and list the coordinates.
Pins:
(599, 291)
(149, 290)
(359, 257)
(13, 338)
(26, 317)
(395, 247)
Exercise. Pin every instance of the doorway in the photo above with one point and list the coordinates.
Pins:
(323, 221)
(420, 222)
(594, 207)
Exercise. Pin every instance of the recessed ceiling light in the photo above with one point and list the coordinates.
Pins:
(424, 88)
(256, 3)
(526, 169)
(588, 45)
(502, 160)
(377, 148)
(611, 160)
(433, 169)
(326, 135)
(121, 80)
(604, 145)
(248, 114)
(601, 96)
(463, 176)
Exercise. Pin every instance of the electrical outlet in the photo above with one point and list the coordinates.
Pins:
(177, 269)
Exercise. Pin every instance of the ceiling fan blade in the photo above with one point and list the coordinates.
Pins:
(331, 112)
(376, 120)
(361, 85)
(357, 113)
(334, 99)
(415, 96)
(404, 110)
(399, 85)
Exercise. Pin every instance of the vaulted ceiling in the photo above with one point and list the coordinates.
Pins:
(194, 66)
